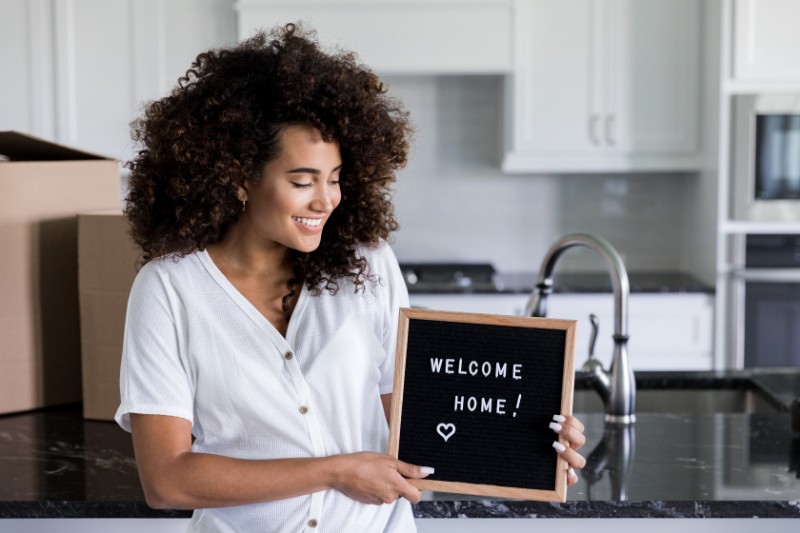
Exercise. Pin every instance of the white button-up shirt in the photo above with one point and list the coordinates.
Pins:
(196, 348)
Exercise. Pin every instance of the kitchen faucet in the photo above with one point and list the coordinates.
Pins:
(616, 386)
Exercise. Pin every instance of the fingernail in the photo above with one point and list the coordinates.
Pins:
(571, 472)
(555, 426)
(427, 470)
(559, 418)
(558, 446)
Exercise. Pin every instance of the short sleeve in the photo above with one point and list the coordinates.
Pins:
(154, 378)
(394, 296)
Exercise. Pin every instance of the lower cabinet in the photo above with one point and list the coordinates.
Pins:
(668, 331)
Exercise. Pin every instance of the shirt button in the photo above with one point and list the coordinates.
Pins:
(288, 355)
(303, 409)
(312, 523)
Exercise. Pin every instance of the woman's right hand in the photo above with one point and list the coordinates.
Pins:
(376, 478)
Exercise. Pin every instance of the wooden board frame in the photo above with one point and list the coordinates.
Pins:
(559, 491)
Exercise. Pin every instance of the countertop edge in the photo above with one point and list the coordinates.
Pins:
(450, 509)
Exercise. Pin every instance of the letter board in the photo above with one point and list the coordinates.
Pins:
(473, 396)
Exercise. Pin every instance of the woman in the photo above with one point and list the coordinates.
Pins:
(264, 321)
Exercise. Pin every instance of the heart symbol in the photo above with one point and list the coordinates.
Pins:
(446, 430)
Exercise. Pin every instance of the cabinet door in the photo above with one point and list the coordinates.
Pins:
(554, 80)
(400, 36)
(604, 85)
(497, 304)
(766, 40)
(651, 85)
(668, 331)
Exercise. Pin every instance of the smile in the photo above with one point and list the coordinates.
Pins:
(310, 222)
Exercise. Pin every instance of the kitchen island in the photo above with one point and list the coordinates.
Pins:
(55, 464)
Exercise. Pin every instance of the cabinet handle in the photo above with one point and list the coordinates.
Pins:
(593, 122)
(610, 130)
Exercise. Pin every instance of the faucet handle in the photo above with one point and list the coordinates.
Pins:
(592, 365)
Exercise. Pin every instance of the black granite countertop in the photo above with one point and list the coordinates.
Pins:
(55, 464)
(573, 282)
(778, 386)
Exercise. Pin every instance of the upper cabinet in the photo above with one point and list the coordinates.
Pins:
(56, 84)
(400, 36)
(604, 85)
(766, 44)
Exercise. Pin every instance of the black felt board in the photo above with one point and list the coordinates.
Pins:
(479, 429)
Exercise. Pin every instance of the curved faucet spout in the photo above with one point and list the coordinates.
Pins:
(537, 305)
(616, 386)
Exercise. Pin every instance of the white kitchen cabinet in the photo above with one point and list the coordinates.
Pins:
(668, 331)
(400, 36)
(81, 71)
(766, 41)
(604, 85)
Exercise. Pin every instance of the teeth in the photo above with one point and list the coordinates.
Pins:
(313, 222)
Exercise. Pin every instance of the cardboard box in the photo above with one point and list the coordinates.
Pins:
(107, 266)
(43, 186)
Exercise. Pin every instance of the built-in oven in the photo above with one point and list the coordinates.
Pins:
(766, 161)
(769, 286)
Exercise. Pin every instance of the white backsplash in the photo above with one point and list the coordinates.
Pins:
(454, 203)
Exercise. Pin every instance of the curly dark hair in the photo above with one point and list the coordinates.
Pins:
(223, 122)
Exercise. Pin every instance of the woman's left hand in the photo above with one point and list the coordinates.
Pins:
(570, 431)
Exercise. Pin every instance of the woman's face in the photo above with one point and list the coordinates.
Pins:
(297, 193)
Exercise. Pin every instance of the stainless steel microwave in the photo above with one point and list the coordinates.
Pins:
(766, 160)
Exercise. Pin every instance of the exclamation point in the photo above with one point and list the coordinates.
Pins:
(519, 399)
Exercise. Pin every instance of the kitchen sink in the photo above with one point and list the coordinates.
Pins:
(699, 401)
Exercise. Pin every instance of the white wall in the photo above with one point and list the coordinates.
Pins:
(454, 203)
